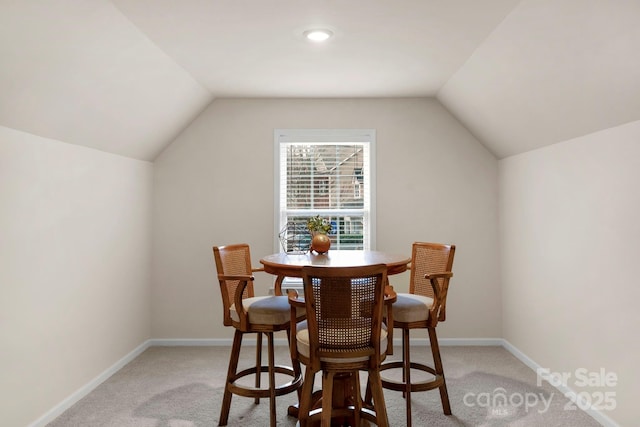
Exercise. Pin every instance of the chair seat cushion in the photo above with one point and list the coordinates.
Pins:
(411, 308)
(302, 340)
(266, 310)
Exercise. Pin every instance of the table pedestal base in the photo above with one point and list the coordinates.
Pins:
(344, 392)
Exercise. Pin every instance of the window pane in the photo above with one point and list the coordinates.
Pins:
(324, 176)
(347, 232)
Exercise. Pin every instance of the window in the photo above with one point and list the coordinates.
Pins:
(327, 173)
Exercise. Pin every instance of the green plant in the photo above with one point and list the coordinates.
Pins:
(317, 224)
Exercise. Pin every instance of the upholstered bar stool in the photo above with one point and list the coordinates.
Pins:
(262, 315)
(422, 308)
(343, 335)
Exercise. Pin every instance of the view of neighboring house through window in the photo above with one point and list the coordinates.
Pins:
(327, 173)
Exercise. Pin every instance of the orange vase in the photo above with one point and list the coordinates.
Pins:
(320, 243)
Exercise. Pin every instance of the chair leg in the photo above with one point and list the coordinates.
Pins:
(404, 378)
(272, 379)
(258, 363)
(382, 419)
(437, 361)
(307, 396)
(367, 394)
(406, 374)
(297, 369)
(327, 398)
(231, 372)
(358, 399)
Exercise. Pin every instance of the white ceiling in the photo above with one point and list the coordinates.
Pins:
(126, 76)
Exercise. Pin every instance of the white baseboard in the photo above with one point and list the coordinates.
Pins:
(67, 403)
(191, 342)
(217, 342)
(452, 342)
(214, 342)
(596, 414)
(210, 342)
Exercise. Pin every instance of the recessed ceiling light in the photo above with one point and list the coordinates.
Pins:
(318, 35)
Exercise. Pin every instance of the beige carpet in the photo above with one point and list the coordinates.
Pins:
(182, 387)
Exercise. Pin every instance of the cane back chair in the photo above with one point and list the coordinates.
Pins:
(422, 308)
(247, 313)
(343, 335)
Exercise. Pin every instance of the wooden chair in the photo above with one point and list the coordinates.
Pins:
(422, 308)
(247, 313)
(343, 335)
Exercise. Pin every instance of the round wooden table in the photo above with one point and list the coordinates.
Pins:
(290, 265)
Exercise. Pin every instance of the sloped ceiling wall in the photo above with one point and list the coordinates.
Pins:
(551, 71)
(126, 76)
(80, 72)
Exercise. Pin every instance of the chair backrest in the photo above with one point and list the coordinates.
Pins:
(344, 310)
(232, 260)
(430, 258)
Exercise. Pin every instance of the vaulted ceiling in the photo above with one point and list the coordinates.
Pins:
(126, 76)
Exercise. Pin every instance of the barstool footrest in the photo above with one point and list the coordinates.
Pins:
(415, 386)
(282, 389)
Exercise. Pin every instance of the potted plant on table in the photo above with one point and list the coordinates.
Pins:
(319, 228)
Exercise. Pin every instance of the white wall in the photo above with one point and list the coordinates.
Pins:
(214, 186)
(570, 227)
(74, 268)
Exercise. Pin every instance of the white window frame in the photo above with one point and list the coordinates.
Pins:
(366, 136)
